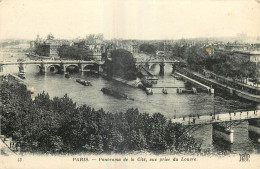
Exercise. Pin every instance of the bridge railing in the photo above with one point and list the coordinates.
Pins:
(219, 118)
(29, 61)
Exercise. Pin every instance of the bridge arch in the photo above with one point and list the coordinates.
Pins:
(52, 67)
(72, 68)
(90, 67)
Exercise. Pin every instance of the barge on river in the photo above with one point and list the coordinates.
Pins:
(114, 93)
(83, 82)
(21, 75)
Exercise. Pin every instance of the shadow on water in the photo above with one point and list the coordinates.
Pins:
(221, 145)
(254, 137)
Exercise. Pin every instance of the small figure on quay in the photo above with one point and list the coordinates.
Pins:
(198, 116)
(183, 118)
(194, 120)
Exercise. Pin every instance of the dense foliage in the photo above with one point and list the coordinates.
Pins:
(74, 52)
(196, 57)
(148, 48)
(230, 64)
(58, 126)
(42, 50)
(122, 64)
(234, 65)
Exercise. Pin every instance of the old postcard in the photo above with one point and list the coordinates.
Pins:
(129, 84)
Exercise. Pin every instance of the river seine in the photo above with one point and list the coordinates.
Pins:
(169, 105)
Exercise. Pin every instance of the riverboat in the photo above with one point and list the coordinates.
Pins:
(176, 77)
(164, 91)
(114, 93)
(146, 83)
(83, 82)
(149, 91)
(21, 75)
(67, 75)
(94, 72)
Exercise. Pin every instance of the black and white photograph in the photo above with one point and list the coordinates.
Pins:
(129, 84)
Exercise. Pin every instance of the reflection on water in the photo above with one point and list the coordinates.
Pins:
(169, 105)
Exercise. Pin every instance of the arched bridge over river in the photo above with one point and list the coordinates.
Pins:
(62, 65)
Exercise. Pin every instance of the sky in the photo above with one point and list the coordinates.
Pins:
(129, 19)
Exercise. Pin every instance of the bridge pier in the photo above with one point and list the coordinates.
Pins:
(2, 69)
(43, 69)
(81, 67)
(161, 68)
(147, 65)
(100, 70)
(254, 128)
(21, 68)
(63, 68)
(173, 68)
(223, 132)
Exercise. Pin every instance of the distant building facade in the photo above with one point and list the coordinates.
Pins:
(48, 47)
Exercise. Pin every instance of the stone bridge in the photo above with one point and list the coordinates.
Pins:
(61, 65)
(161, 63)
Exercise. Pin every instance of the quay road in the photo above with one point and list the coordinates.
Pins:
(229, 80)
(222, 85)
(218, 118)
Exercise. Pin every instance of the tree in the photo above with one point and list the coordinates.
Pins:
(42, 50)
(122, 64)
(148, 48)
(57, 126)
(179, 51)
(196, 57)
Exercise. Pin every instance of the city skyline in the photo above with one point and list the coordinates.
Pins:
(144, 20)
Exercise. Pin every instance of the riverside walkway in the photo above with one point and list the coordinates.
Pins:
(218, 118)
(221, 85)
(236, 84)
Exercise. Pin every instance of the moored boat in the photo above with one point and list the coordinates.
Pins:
(149, 91)
(146, 82)
(67, 75)
(114, 93)
(83, 82)
(21, 75)
(164, 91)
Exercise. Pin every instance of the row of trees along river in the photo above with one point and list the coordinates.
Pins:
(228, 64)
